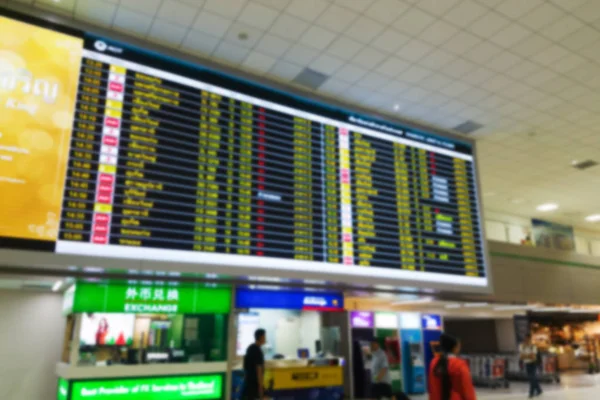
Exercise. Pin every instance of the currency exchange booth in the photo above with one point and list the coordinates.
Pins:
(306, 351)
(159, 340)
(120, 157)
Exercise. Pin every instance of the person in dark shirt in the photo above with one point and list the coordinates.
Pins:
(254, 366)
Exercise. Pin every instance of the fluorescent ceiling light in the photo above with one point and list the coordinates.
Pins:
(552, 309)
(56, 286)
(513, 307)
(547, 207)
(413, 301)
(593, 218)
(476, 305)
(453, 306)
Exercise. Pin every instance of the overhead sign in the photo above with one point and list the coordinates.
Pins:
(362, 319)
(318, 301)
(304, 377)
(157, 298)
(202, 387)
(62, 392)
(431, 322)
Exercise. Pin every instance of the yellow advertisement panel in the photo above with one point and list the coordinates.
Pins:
(303, 377)
(39, 72)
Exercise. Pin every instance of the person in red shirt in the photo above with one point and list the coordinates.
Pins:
(449, 376)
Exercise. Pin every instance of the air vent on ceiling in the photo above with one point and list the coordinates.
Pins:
(585, 164)
(310, 78)
(468, 127)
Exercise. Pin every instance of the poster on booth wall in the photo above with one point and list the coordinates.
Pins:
(39, 71)
(553, 236)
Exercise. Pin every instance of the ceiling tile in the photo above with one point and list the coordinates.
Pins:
(489, 24)
(459, 68)
(562, 28)
(63, 7)
(253, 34)
(413, 22)
(344, 47)
(273, 45)
(414, 50)
(350, 73)
(390, 41)
(479, 75)
(97, 12)
(333, 86)
(540, 77)
(176, 12)
(465, 13)
(386, 11)
(356, 5)
(326, 64)
(392, 67)
(289, 27)
(566, 64)
(394, 87)
(541, 16)
(531, 45)
(550, 55)
(230, 53)
(517, 8)
(317, 37)
(569, 5)
(581, 38)
(226, 8)
(336, 18)
(212, 24)
(414, 74)
(503, 61)
(199, 43)
(258, 16)
(483, 52)
(149, 7)
(437, 59)
(369, 58)
(522, 69)
(461, 43)
(373, 81)
(284, 70)
(510, 35)
(166, 33)
(132, 22)
(589, 11)
(436, 100)
(437, 7)
(276, 4)
(364, 29)
(259, 62)
(307, 10)
(415, 94)
(300, 54)
(438, 33)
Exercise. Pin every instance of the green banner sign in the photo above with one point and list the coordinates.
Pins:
(157, 298)
(168, 388)
(63, 389)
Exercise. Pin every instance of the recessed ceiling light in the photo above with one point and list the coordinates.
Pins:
(547, 207)
(574, 162)
(593, 218)
(449, 306)
(396, 107)
(57, 285)
(517, 201)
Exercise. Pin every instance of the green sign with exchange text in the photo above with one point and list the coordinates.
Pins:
(63, 389)
(204, 387)
(152, 298)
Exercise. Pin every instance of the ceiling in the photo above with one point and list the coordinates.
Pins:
(528, 71)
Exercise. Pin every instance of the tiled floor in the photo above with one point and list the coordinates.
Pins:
(572, 387)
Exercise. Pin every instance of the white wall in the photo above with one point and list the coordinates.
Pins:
(505, 334)
(31, 337)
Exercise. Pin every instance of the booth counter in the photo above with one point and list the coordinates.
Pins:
(304, 353)
(142, 340)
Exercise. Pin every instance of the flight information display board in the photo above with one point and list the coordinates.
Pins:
(171, 161)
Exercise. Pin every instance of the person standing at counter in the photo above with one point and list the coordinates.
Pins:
(380, 372)
(254, 368)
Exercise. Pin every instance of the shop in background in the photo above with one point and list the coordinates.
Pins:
(165, 340)
(306, 344)
(410, 341)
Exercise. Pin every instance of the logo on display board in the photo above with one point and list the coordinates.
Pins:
(362, 319)
(315, 301)
(100, 45)
(432, 322)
